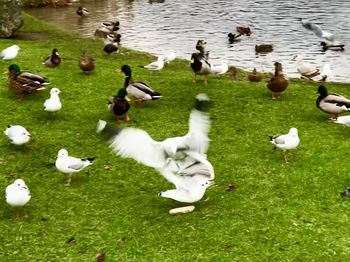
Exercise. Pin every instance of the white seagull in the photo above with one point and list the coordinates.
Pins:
(169, 56)
(326, 72)
(286, 142)
(17, 194)
(219, 69)
(69, 165)
(9, 53)
(317, 30)
(345, 120)
(181, 160)
(17, 134)
(306, 70)
(156, 65)
(53, 104)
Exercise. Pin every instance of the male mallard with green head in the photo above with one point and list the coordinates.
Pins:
(333, 104)
(53, 60)
(119, 105)
(139, 90)
(278, 83)
(25, 82)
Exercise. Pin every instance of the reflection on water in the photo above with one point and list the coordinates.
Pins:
(157, 26)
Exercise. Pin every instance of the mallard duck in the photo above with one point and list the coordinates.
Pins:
(200, 66)
(17, 194)
(333, 104)
(200, 46)
(181, 160)
(233, 37)
(86, 63)
(119, 105)
(278, 83)
(241, 30)
(156, 65)
(9, 53)
(254, 76)
(139, 90)
(113, 26)
(233, 73)
(307, 70)
(82, 11)
(286, 142)
(110, 48)
(25, 82)
(334, 47)
(53, 60)
(264, 48)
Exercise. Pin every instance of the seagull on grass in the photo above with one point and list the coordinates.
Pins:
(17, 194)
(17, 134)
(53, 104)
(181, 160)
(9, 53)
(69, 165)
(156, 65)
(286, 142)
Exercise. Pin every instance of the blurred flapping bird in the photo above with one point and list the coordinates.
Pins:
(181, 160)
(286, 142)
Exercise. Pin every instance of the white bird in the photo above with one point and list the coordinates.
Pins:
(181, 160)
(53, 104)
(17, 134)
(345, 120)
(326, 72)
(82, 11)
(169, 56)
(286, 142)
(69, 165)
(156, 65)
(317, 30)
(17, 194)
(219, 69)
(9, 53)
(306, 70)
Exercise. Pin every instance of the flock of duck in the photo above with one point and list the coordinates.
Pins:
(180, 160)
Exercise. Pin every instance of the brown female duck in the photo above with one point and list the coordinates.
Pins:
(86, 63)
(254, 76)
(278, 83)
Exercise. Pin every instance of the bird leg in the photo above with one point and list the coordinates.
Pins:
(69, 180)
(18, 217)
(127, 118)
(139, 101)
(119, 120)
(333, 117)
(205, 79)
(285, 157)
(194, 79)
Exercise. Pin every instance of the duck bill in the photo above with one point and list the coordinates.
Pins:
(127, 98)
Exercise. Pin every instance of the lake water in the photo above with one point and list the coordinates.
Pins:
(160, 26)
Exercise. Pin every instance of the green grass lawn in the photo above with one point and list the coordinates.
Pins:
(278, 212)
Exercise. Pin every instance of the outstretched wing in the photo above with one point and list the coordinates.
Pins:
(137, 144)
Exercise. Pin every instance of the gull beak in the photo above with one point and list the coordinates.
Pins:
(24, 187)
(211, 183)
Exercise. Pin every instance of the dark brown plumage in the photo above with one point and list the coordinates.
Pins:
(86, 63)
(278, 83)
(254, 76)
(53, 60)
(264, 48)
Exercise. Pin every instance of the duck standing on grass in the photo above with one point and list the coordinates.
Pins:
(53, 104)
(69, 165)
(17, 194)
(278, 83)
(333, 104)
(17, 134)
(181, 160)
(86, 63)
(254, 76)
(200, 66)
(286, 142)
(25, 82)
(53, 60)
(119, 105)
(139, 90)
